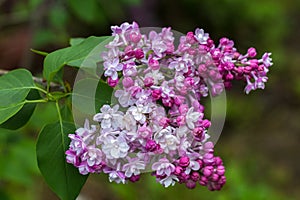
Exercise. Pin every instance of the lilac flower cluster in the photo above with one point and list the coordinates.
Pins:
(158, 123)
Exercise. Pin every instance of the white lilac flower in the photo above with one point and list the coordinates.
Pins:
(116, 176)
(93, 156)
(117, 30)
(156, 75)
(133, 167)
(184, 145)
(159, 136)
(162, 118)
(143, 97)
(169, 180)
(167, 91)
(128, 122)
(163, 167)
(157, 44)
(194, 165)
(139, 112)
(192, 117)
(179, 65)
(182, 131)
(111, 68)
(115, 148)
(124, 98)
(109, 117)
(87, 132)
(169, 143)
(201, 36)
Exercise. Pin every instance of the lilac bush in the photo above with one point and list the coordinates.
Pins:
(158, 123)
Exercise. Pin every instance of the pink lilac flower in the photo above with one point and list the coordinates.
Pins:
(133, 167)
(163, 167)
(111, 68)
(161, 125)
(109, 117)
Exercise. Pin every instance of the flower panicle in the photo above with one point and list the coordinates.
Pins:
(161, 125)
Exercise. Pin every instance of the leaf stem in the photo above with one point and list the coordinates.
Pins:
(36, 101)
(58, 112)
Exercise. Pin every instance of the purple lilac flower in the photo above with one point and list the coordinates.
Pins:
(162, 116)
(111, 68)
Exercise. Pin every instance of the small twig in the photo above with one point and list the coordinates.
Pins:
(38, 80)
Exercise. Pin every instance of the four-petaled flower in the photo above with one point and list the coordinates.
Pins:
(111, 68)
(109, 117)
(192, 117)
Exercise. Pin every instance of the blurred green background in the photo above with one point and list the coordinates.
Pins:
(261, 138)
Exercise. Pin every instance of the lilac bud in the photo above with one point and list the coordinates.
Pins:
(215, 177)
(206, 123)
(202, 69)
(135, 37)
(229, 76)
(190, 184)
(253, 63)
(183, 108)
(251, 52)
(218, 161)
(127, 82)
(224, 41)
(134, 178)
(164, 122)
(111, 82)
(178, 170)
(200, 163)
(184, 161)
(180, 120)
(207, 171)
(220, 170)
(203, 181)
(168, 102)
(184, 176)
(190, 37)
(153, 64)
(198, 133)
(178, 100)
(189, 82)
(195, 176)
(148, 81)
(156, 94)
(216, 53)
(151, 146)
(139, 54)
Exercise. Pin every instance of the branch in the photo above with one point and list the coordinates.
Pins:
(38, 80)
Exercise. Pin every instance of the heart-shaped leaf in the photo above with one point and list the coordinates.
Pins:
(73, 56)
(89, 95)
(23, 115)
(63, 178)
(76, 41)
(14, 87)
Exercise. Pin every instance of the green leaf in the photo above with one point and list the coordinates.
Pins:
(103, 95)
(73, 56)
(9, 111)
(23, 115)
(66, 110)
(15, 86)
(90, 94)
(76, 41)
(63, 178)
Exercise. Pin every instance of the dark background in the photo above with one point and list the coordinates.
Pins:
(260, 141)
